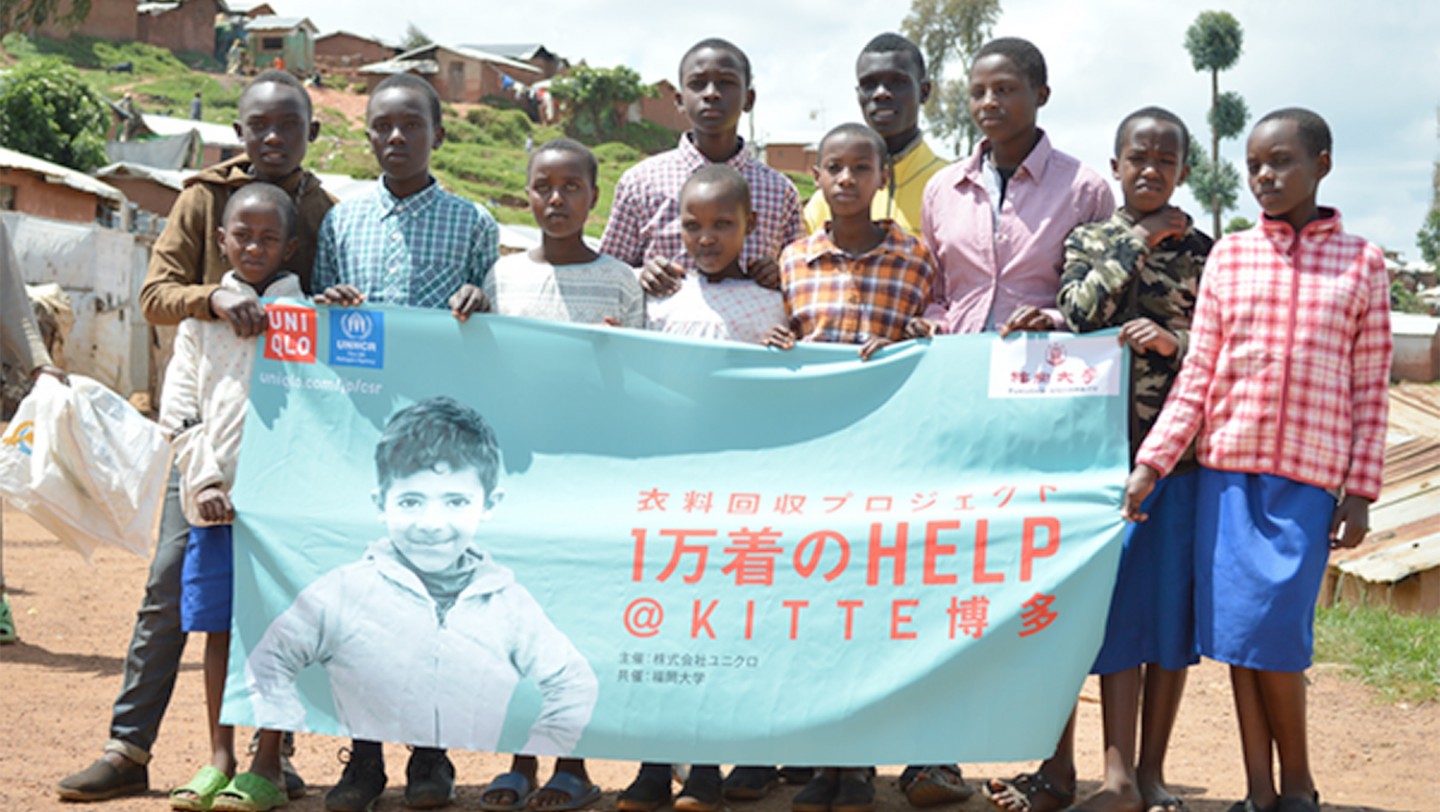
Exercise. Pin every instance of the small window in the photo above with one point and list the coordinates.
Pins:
(7, 197)
(272, 43)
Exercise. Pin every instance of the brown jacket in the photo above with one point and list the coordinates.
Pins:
(186, 263)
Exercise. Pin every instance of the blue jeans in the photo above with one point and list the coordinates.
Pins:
(154, 657)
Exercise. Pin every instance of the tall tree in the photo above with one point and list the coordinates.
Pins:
(594, 97)
(414, 38)
(949, 33)
(1428, 238)
(1215, 41)
(25, 15)
(48, 111)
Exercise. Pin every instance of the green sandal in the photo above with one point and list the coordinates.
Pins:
(249, 793)
(199, 794)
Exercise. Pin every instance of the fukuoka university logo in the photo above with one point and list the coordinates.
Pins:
(357, 326)
(1056, 354)
(22, 437)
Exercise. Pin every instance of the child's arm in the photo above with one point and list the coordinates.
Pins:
(781, 337)
(484, 250)
(765, 270)
(568, 688)
(326, 273)
(290, 644)
(1096, 276)
(174, 286)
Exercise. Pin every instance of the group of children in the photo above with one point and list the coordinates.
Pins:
(1280, 399)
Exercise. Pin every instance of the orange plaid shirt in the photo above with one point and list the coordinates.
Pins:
(834, 297)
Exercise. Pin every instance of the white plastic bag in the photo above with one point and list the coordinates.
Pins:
(85, 465)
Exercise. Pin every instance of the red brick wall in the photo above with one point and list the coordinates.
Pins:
(790, 157)
(148, 195)
(191, 27)
(331, 51)
(109, 19)
(33, 195)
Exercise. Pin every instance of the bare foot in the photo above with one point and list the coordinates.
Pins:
(1158, 798)
(1113, 799)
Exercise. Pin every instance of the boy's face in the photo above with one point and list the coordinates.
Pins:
(561, 195)
(434, 514)
(1002, 102)
(1150, 165)
(401, 132)
(275, 126)
(1284, 176)
(713, 91)
(255, 240)
(713, 225)
(849, 174)
(890, 91)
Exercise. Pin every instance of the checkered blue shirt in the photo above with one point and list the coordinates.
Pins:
(415, 252)
(645, 217)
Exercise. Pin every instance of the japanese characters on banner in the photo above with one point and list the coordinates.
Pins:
(692, 552)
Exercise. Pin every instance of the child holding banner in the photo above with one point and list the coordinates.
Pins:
(562, 279)
(1139, 271)
(857, 281)
(408, 243)
(203, 407)
(1284, 388)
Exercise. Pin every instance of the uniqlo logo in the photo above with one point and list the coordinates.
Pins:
(292, 335)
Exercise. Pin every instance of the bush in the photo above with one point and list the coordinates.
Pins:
(503, 127)
(48, 111)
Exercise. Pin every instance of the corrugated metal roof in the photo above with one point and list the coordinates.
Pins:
(1405, 521)
(217, 134)
(55, 173)
(273, 22)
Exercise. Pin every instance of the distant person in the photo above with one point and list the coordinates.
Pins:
(275, 123)
(197, 107)
(129, 118)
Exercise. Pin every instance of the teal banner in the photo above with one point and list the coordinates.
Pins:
(609, 543)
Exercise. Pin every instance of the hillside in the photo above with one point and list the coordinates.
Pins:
(483, 157)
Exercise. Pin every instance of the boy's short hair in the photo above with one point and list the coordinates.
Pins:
(1159, 114)
(858, 130)
(265, 193)
(1023, 53)
(571, 146)
(720, 45)
(892, 43)
(425, 434)
(278, 77)
(1314, 132)
(726, 177)
(409, 81)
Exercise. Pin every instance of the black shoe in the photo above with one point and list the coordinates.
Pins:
(855, 792)
(649, 791)
(750, 783)
(701, 792)
(817, 795)
(360, 784)
(429, 779)
(103, 780)
(797, 775)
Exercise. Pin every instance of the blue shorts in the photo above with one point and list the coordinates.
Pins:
(206, 580)
(1261, 546)
(1152, 613)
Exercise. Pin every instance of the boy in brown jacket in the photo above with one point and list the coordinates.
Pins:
(276, 125)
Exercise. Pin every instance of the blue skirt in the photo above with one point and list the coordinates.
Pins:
(206, 580)
(1152, 613)
(1261, 546)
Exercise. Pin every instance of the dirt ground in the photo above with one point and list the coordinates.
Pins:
(57, 684)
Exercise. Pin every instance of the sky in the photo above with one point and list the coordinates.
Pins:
(1371, 68)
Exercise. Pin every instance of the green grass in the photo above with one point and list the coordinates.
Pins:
(1398, 655)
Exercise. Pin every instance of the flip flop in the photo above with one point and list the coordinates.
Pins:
(249, 792)
(512, 782)
(197, 795)
(578, 794)
(1025, 788)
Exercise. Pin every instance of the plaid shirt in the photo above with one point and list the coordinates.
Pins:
(1289, 360)
(414, 252)
(834, 297)
(645, 218)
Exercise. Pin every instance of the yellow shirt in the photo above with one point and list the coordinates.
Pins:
(898, 200)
